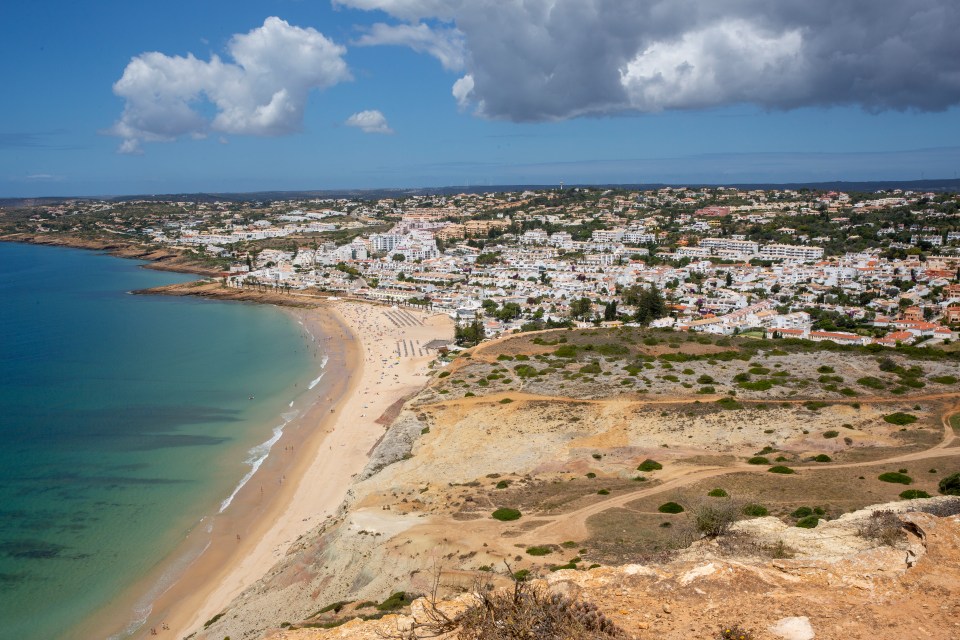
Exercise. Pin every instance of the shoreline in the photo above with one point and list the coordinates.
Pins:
(157, 258)
(310, 469)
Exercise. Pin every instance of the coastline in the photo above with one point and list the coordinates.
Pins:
(157, 258)
(302, 482)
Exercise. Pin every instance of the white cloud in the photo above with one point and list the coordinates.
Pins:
(535, 60)
(462, 89)
(446, 45)
(262, 92)
(371, 121)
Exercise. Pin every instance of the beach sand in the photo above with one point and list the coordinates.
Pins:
(377, 358)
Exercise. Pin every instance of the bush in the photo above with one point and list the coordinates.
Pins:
(729, 404)
(913, 494)
(566, 351)
(670, 507)
(830, 434)
(532, 613)
(895, 477)
(506, 514)
(871, 382)
(396, 601)
(736, 632)
(717, 493)
(755, 510)
(810, 522)
(759, 385)
(942, 509)
(715, 517)
(950, 486)
(443, 374)
(781, 469)
(944, 380)
(705, 379)
(822, 458)
(649, 465)
(539, 551)
(900, 419)
(758, 460)
(503, 484)
(603, 492)
(882, 526)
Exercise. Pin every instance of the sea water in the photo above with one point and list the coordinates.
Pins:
(124, 419)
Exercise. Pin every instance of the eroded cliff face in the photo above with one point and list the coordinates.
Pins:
(837, 585)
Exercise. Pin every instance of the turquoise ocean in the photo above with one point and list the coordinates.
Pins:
(124, 419)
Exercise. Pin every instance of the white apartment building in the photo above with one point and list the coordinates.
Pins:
(639, 237)
(385, 241)
(791, 252)
(747, 247)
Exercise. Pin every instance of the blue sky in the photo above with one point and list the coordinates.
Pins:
(101, 98)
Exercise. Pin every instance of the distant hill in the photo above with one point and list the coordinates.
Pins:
(943, 185)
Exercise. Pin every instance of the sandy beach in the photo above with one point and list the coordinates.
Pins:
(377, 357)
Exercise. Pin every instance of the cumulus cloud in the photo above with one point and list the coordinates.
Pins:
(371, 121)
(446, 45)
(534, 60)
(263, 91)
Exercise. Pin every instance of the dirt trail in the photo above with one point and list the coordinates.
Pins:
(573, 525)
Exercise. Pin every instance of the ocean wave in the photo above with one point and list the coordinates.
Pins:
(257, 455)
(316, 381)
(144, 606)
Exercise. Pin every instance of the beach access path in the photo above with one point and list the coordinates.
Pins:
(388, 362)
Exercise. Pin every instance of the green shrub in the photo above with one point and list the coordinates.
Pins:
(755, 510)
(506, 401)
(810, 522)
(506, 514)
(717, 493)
(670, 507)
(781, 469)
(830, 434)
(396, 601)
(705, 379)
(539, 551)
(503, 484)
(603, 492)
(950, 486)
(649, 465)
(759, 385)
(591, 475)
(729, 404)
(815, 405)
(913, 494)
(824, 369)
(759, 371)
(443, 374)
(944, 380)
(591, 368)
(822, 458)
(895, 477)
(899, 418)
(566, 351)
(758, 460)
(802, 512)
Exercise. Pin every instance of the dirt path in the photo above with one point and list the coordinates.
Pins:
(702, 399)
(573, 525)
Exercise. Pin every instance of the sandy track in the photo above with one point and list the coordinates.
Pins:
(573, 525)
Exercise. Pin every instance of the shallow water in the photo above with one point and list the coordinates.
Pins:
(124, 420)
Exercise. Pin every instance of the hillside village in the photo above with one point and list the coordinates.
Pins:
(879, 268)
